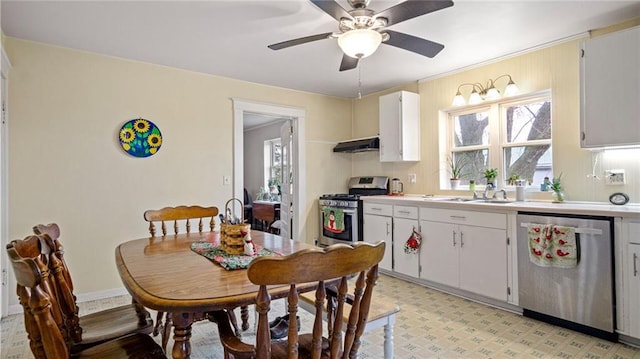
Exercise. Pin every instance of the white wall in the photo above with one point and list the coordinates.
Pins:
(65, 164)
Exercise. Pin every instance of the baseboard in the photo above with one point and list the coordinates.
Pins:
(85, 297)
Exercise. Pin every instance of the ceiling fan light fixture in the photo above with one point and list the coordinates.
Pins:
(359, 43)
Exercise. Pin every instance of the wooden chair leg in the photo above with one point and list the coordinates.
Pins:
(244, 316)
(234, 322)
(158, 325)
(166, 331)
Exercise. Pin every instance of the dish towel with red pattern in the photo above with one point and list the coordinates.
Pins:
(552, 246)
(333, 220)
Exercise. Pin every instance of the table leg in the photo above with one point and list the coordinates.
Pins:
(182, 335)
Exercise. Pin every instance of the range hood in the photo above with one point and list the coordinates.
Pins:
(358, 145)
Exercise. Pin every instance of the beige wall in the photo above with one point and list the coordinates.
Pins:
(65, 164)
(555, 68)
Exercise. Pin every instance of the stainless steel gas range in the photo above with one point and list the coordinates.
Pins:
(341, 214)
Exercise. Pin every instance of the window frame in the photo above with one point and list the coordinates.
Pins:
(270, 163)
(497, 111)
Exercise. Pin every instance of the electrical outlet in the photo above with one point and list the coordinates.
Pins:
(412, 178)
(226, 180)
(614, 177)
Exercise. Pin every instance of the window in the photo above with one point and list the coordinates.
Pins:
(272, 163)
(513, 136)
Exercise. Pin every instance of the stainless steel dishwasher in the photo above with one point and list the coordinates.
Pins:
(581, 298)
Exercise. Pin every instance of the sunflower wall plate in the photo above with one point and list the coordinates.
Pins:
(140, 138)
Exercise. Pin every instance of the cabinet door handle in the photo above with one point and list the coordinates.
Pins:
(461, 240)
(387, 228)
(454, 238)
(635, 268)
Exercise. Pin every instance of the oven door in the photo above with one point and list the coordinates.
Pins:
(338, 225)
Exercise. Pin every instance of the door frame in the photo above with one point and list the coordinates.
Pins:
(297, 116)
(5, 65)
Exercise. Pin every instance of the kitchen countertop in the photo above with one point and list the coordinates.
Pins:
(567, 207)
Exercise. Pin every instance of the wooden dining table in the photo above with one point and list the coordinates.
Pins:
(164, 274)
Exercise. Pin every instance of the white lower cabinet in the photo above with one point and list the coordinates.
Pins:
(633, 301)
(460, 249)
(405, 220)
(376, 229)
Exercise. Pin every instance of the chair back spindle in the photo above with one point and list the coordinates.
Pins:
(178, 214)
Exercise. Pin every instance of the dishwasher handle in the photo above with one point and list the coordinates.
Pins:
(594, 231)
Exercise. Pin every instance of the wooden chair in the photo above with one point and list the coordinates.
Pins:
(183, 214)
(87, 330)
(47, 326)
(332, 264)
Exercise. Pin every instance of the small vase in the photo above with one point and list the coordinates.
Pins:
(557, 197)
(455, 182)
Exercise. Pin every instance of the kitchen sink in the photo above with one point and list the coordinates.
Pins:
(497, 201)
(455, 199)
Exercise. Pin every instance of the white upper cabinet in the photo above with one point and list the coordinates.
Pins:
(400, 127)
(610, 90)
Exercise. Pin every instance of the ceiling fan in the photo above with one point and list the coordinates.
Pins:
(362, 30)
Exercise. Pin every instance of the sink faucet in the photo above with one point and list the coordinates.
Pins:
(488, 188)
(504, 194)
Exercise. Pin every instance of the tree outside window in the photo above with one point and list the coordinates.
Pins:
(513, 136)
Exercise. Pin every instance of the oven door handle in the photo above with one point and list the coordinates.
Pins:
(349, 211)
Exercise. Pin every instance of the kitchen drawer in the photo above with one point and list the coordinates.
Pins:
(405, 212)
(471, 218)
(378, 209)
(634, 232)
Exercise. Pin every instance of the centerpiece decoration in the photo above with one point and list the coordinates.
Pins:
(233, 236)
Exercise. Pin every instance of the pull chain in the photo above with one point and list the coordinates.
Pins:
(359, 82)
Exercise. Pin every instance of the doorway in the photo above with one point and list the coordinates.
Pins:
(296, 116)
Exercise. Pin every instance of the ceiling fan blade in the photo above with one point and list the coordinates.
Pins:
(332, 8)
(414, 44)
(348, 63)
(411, 8)
(299, 41)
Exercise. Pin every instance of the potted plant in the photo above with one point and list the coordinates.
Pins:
(490, 174)
(556, 187)
(456, 167)
(511, 181)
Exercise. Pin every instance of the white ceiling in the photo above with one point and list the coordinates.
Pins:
(230, 38)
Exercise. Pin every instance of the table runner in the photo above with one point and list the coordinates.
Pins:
(229, 261)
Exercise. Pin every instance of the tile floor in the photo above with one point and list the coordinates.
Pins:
(431, 324)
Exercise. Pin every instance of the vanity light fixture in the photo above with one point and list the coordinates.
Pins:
(481, 93)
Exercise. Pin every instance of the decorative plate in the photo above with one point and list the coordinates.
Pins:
(140, 138)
